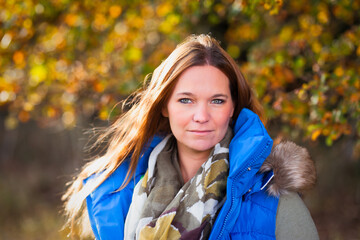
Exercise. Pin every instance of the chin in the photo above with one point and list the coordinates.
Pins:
(203, 148)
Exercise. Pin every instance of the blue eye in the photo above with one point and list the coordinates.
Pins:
(217, 101)
(185, 100)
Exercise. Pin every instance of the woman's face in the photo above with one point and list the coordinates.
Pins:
(199, 108)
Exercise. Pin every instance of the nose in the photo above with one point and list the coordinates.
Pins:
(201, 114)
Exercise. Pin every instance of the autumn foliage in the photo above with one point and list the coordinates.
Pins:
(66, 60)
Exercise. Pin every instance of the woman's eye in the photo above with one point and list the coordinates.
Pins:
(217, 101)
(185, 100)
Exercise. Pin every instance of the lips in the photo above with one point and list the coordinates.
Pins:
(200, 132)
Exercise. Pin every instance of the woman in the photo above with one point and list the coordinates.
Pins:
(188, 161)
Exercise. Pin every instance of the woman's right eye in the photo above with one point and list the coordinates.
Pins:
(185, 100)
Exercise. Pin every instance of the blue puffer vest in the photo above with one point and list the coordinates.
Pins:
(248, 212)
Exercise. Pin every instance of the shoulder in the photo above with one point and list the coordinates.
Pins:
(293, 219)
(294, 170)
(110, 185)
(294, 173)
(107, 205)
(115, 181)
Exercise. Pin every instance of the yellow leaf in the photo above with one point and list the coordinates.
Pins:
(339, 71)
(38, 74)
(163, 9)
(11, 123)
(51, 112)
(27, 23)
(71, 19)
(103, 115)
(267, 98)
(315, 30)
(302, 94)
(286, 34)
(28, 106)
(134, 54)
(323, 17)
(233, 50)
(316, 47)
(170, 22)
(100, 22)
(267, 6)
(326, 131)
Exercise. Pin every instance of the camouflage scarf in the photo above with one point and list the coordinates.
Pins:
(163, 207)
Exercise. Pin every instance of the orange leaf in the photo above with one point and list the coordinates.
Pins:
(24, 116)
(355, 97)
(18, 57)
(315, 134)
(115, 11)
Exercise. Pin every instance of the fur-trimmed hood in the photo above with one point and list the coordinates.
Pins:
(293, 169)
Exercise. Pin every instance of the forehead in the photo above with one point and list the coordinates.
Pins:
(203, 79)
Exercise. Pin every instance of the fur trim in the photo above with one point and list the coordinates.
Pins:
(293, 169)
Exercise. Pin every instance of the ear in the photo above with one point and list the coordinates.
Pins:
(165, 112)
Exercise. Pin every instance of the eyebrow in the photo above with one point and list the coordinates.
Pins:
(213, 96)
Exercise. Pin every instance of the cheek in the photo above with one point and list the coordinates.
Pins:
(177, 117)
(224, 117)
(224, 122)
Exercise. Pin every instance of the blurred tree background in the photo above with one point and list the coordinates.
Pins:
(65, 65)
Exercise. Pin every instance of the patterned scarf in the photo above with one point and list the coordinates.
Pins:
(163, 207)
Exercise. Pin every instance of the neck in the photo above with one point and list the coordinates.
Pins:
(190, 162)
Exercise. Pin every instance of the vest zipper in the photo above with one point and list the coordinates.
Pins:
(232, 187)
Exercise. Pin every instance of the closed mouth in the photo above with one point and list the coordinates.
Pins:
(200, 131)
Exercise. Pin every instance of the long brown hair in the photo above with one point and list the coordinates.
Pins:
(133, 129)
